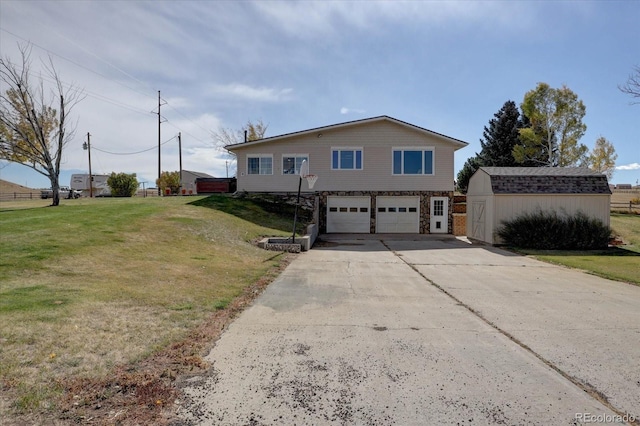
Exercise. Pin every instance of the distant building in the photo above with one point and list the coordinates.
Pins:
(188, 181)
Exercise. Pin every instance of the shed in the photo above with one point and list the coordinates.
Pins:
(498, 194)
(188, 180)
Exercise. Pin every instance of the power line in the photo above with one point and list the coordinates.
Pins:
(82, 66)
(105, 98)
(85, 91)
(132, 153)
(187, 118)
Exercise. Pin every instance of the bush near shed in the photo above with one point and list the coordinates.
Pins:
(552, 231)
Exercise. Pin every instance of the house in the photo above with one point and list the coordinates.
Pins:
(376, 175)
(188, 180)
(498, 194)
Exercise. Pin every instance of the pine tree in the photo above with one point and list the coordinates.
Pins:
(499, 139)
(501, 136)
(470, 167)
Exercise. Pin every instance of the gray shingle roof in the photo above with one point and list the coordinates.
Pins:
(546, 180)
(383, 118)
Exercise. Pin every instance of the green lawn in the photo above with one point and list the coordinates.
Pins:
(97, 283)
(618, 263)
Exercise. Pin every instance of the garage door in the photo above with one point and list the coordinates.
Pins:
(398, 214)
(349, 214)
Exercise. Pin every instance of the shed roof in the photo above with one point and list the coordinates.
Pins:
(546, 180)
(198, 174)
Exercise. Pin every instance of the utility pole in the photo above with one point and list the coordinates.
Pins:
(180, 156)
(87, 147)
(159, 161)
(226, 164)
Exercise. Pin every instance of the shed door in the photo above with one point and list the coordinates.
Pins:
(439, 222)
(398, 214)
(349, 214)
(477, 220)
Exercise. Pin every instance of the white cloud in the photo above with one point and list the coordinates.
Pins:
(632, 166)
(345, 110)
(245, 92)
(320, 19)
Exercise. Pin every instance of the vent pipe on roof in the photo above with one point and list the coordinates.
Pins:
(245, 135)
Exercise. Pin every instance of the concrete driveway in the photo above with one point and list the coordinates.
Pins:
(425, 331)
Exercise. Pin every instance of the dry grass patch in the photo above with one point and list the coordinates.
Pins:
(91, 292)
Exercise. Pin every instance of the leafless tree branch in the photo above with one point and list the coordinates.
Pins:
(632, 86)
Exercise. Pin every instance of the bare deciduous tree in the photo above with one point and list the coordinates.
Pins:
(33, 132)
(248, 132)
(632, 86)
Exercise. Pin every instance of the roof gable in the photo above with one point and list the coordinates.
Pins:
(456, 142)
(546, 180)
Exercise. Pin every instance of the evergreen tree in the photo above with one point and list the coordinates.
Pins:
(501, 136)
(499, 139)
(470, 167)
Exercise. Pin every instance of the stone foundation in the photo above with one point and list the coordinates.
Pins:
(313, 205)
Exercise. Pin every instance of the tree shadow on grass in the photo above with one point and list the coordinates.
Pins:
(266, 212)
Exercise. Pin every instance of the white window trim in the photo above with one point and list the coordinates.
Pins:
(347, 148)
(295, 156)
(415, 148)
(259, 156)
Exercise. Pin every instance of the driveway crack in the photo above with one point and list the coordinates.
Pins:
(584, 386)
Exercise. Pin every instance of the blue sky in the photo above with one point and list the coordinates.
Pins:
(446, 66)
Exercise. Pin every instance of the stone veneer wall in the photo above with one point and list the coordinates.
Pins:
(317, 202)
(425, 206)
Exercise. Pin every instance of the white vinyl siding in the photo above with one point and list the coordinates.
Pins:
(291, 163)
(413, 161)
(261, 164)
(376, 140)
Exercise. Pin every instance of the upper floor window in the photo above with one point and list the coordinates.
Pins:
(291, 163)
(412, 161)
(260, 164)
(346, 158)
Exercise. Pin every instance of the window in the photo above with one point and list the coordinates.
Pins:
(346, 158)
(412, 161)
(291, 163)
(438, 207)
(260, 165)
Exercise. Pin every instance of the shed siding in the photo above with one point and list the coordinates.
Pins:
(480, 184)
(377, 141)
(479, 191)
(507, 207)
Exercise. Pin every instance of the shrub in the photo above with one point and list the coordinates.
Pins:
(552, 231)
(169, 180)
(122, 184)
